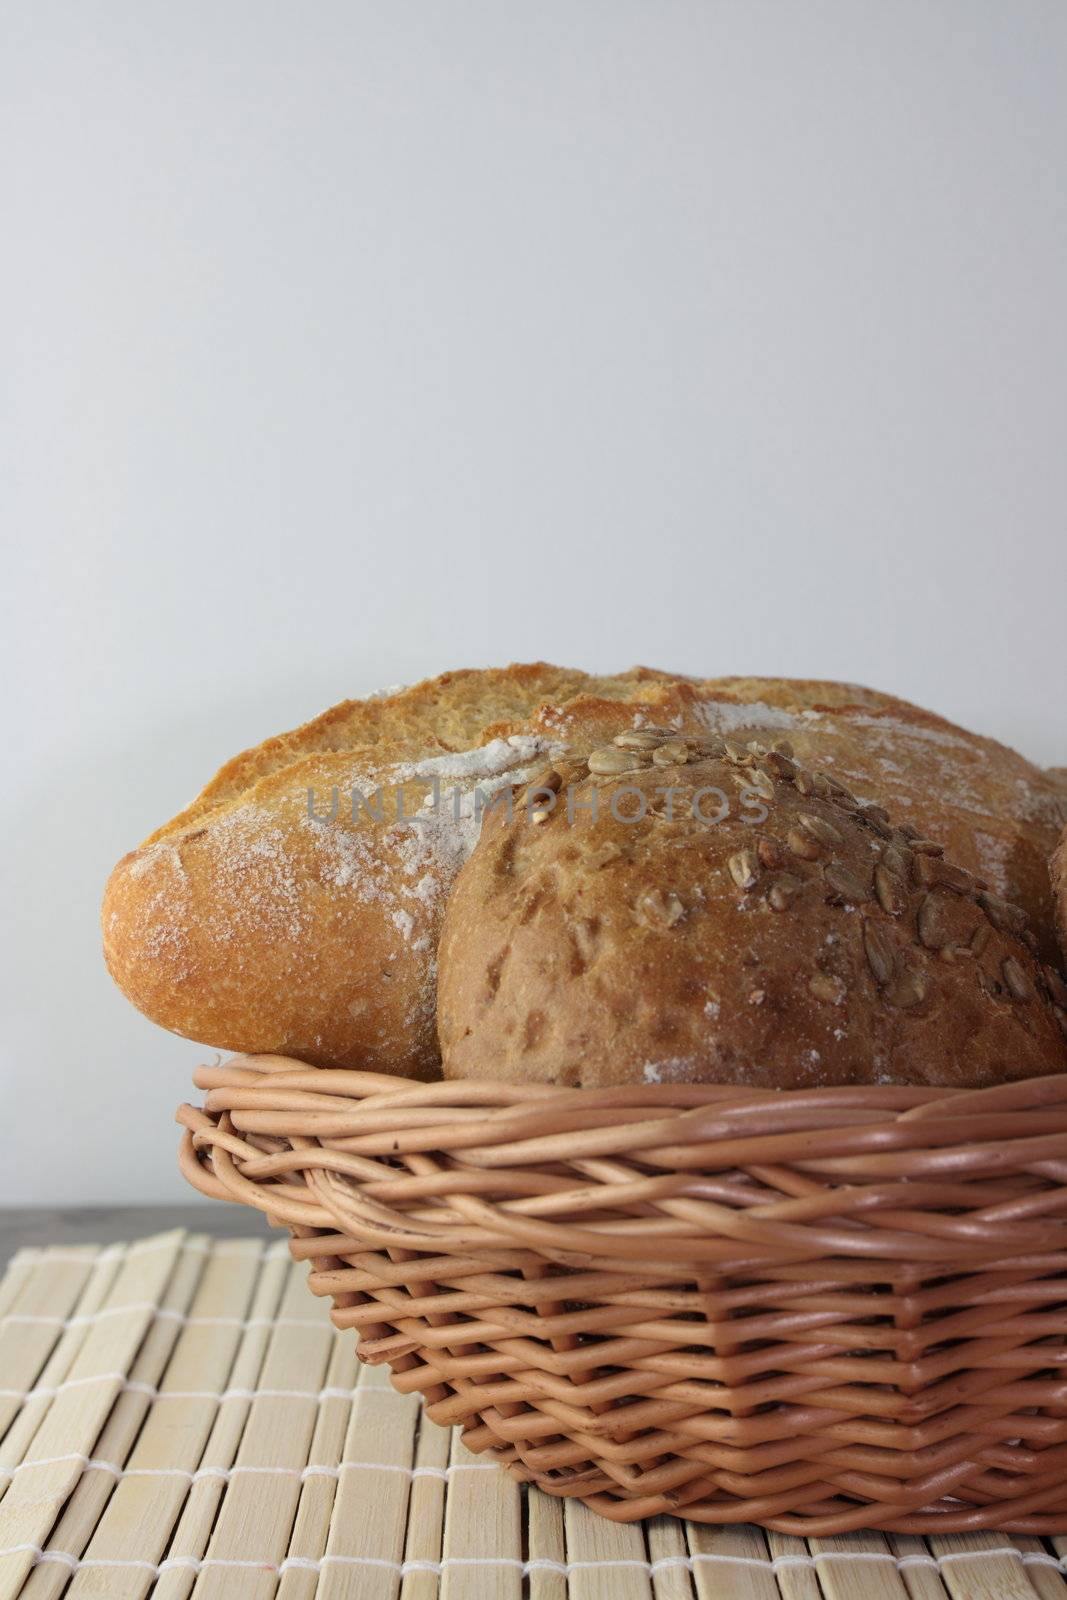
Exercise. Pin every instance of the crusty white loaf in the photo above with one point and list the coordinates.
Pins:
(251, 923)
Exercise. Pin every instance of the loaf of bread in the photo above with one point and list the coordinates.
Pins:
(260, 919)
(699, 910)
(250, 923)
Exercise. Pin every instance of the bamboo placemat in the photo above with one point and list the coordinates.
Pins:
(179, 1417)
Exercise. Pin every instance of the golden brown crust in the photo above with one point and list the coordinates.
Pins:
(260, 929)
(793, 694)
(444, 713)
(234, 925)
(448, 712)
(1059, 890)
(798, 940)
(275, 926)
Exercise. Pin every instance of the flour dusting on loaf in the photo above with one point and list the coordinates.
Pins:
(317, 902)
(726, 716)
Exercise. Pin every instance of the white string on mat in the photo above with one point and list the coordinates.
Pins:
(538, 1564)
(94, 1464)
(315, 1470)
(49, 1391)
(163, 1314)
(1037, 1558)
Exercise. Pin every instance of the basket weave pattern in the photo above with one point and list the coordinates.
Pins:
(819, 1311)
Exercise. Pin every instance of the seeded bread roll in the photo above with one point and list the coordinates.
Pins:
(248, 925)
(753, 925)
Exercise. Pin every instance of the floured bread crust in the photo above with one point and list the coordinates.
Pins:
(271, 927)
(245, 925)
(450, 712)
(726, 915)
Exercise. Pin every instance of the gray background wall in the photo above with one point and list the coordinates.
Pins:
(348, 342)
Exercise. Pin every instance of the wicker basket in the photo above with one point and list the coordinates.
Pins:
(819, 1311)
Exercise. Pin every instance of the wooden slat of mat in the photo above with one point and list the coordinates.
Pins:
(62, 1345)
(318, 1492)
(16, 1273)
(38, 1296)
(606, 1560)
(50, 1467)
(99, 1485)
(173, 1421)
(366, 1543)
(251, 1533)
(426, 1512)
(1048, 1579)
(795, 1573)
(668, 1551)
(739, 1566)
(546, 1542)
(983, 1566)
(917, 1566)
(843, 1562)
(198, 1514)
(482, 1549)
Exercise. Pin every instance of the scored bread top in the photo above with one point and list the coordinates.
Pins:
(463, 710)
(449, 712)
